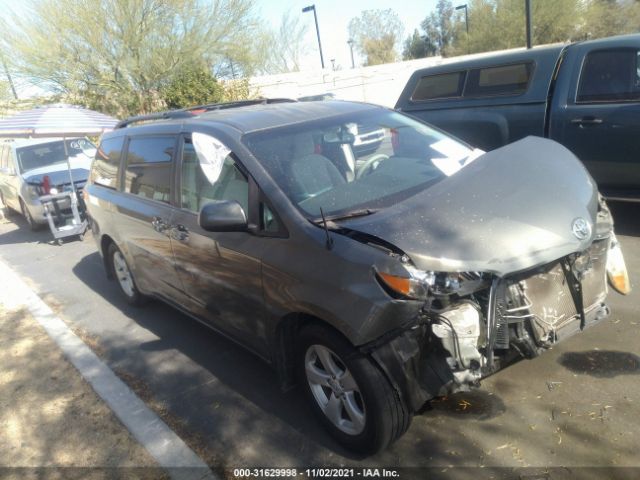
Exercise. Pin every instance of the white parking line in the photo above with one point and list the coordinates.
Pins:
(149, 430)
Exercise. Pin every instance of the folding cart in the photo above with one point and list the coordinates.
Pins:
(63, 224)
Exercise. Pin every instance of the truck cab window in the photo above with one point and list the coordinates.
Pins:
(499, 80)
(610, 76)
(446, 85)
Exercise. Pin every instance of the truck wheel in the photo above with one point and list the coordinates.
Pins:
(124, 277)
(348, 392)
(27, 216)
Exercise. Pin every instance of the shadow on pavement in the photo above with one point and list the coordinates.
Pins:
(235, 367)
(601, 363)
(23, 234)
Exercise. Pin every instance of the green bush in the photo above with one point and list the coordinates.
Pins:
(190, 87)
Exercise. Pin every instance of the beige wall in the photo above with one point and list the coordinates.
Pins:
(381, 84)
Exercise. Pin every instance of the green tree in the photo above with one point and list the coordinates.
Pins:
(417, 46)
(376, 35)
(442, 27)
(192, 86)
(603, 18)
(118, 55)
(500, 24)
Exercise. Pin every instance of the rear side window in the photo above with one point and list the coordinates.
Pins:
(445, 85)
(149, 167)
(500, 80)
(610, 76)
(104, 170)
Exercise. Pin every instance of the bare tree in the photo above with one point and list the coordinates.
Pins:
(286, 45)
(377, 35)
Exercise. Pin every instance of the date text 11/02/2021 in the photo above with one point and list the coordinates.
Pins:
(315, 472)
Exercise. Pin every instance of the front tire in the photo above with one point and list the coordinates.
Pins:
(124, 277)
(348, 392)
(33, 225)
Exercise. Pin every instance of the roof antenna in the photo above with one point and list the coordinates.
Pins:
(326, 230)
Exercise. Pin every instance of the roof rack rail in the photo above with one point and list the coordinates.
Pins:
(153, 116)
(198, 109)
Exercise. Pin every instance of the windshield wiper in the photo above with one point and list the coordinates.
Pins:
(344, 216)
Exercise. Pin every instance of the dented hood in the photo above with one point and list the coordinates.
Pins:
(509, 210)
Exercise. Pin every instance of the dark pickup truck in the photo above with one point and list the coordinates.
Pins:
(584, 95)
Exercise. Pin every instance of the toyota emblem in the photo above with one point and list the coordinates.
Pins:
(581, 228)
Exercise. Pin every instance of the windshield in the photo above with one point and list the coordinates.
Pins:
(357, 163)
(51, 153)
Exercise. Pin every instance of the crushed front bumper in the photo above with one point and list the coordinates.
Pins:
(522, 314)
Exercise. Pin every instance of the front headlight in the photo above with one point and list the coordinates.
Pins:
(418, 284)
(617, 268)
(33, 191)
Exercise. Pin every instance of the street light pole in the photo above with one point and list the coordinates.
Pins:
(350, 42)
(527, 8)
(315, 16)
(466, 22)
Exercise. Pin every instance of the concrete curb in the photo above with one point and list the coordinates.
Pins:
(147, 428)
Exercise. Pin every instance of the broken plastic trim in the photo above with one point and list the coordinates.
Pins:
(491, 322)
(575, 287)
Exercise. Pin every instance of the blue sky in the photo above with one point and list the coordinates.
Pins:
(333, 18)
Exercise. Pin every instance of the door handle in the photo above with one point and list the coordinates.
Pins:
(584, 121)
(180, 232)
(158, 224)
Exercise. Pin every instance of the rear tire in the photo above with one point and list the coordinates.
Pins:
(8, 211)
(123, 276)
(348, 392)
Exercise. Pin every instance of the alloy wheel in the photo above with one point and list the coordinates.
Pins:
(335, 389)
(121, 270)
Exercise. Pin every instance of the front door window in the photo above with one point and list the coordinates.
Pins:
(204, 181)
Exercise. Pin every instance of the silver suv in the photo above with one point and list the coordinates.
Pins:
(30, 168)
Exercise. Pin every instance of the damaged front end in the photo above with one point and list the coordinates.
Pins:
(473, 323)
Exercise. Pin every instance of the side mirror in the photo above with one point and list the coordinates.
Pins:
(223, 216)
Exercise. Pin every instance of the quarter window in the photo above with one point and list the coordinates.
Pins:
(500, 80)
(226, 183)
(445, 85)
(610, 76)
(105, 167)
(148, 172)
(269, 222)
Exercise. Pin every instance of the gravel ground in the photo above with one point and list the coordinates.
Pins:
(52, 423)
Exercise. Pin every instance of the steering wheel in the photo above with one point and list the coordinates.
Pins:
(371, 164)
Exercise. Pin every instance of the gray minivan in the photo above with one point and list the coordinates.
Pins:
(376, 282)
(31, 168)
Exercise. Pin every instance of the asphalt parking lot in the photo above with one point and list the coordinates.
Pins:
(576, 406)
